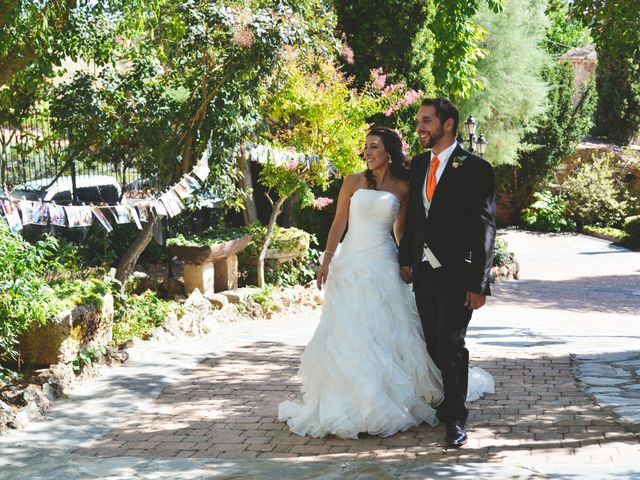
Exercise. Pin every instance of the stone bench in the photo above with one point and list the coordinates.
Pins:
(211, 269)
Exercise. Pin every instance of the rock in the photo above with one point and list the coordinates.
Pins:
(36, 403)
(7, 416)
(172, 325)
(217, 300)
(53, 391)
(21, 420)
(173, 286)
(160, 334)
(196, 303)
(196, 309)
(239, 295)
(111, 356)
(60, 340)
(62, 377)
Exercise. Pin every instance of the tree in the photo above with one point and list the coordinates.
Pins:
(403, 47)
(459, 45)
(514, 93)
(558, 130)
(312, 109)
(564, 31)
(614, 26)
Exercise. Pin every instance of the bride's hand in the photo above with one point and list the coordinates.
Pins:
(322, 274)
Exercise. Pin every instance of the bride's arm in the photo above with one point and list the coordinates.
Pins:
(338, 225)
(398, 226)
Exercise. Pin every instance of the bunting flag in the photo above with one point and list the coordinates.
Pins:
(18, 213)
(284, 157)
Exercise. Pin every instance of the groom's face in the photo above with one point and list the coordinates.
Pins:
(428, 126)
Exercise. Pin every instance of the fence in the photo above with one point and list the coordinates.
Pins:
(30, 152)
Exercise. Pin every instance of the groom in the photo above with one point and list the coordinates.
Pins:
(447, 250)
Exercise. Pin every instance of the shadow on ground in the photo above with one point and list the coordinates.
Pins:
(226, 409)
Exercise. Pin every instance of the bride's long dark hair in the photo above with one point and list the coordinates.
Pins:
(393, 145)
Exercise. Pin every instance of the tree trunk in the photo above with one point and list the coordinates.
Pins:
(131, 256)
(277, 207)
(250, 211)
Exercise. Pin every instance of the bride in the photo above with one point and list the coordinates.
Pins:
(366, 369)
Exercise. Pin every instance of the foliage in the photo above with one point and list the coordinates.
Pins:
(265, 299)
(610, 233)
(135, 315)
(297, 271)
(549, 213)
(459, 46)
(558, 130)
(514, 93)
(35, 286)
(86, 357)
(122, 117)
(312, 108)
(211, 236)
(564, 31)
(38, 37)
(594, 194)
(283, 240)
(632, 229)
(614, 27)
(501, 253)
(403, 47)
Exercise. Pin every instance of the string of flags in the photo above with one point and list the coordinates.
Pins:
(284, 157)
(18, 213)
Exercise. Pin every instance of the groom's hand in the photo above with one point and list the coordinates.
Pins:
(406, 274)
(473, 301)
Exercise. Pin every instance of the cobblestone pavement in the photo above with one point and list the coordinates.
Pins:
(561, 344)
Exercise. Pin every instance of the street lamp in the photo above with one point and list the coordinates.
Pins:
(478, 144)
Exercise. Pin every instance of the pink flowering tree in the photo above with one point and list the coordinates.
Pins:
(314, 110)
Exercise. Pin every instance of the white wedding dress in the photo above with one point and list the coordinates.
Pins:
(366, 369)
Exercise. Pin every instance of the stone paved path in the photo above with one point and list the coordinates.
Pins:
(205, 408)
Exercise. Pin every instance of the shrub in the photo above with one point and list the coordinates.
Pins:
(594, 195)
(547, 214)
(136, 315)
(501, 253)
(25, 295)
(632, 229)
(608, 233)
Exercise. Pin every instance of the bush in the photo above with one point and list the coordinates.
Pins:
(547, 214)
(136, 315)
(594, 194)
(608, 233)
(632, 229)
(501, 253)
(25, 296)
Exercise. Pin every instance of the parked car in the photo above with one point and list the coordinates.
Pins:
(89, 189)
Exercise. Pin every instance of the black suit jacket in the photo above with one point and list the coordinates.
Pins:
(460, 228)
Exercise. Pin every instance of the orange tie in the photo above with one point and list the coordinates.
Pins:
(431, 180)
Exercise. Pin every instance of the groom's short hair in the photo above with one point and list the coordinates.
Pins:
(444, 110)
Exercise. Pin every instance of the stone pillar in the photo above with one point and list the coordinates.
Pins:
(226, 273)
(198, 276)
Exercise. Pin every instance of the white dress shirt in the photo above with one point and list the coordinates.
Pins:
(443, 156)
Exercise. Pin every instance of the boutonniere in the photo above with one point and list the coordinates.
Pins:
(458, 161)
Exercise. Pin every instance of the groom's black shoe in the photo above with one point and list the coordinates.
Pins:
(455, 434)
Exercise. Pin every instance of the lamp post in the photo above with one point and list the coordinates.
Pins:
(476, 144)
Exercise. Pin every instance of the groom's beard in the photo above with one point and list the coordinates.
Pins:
(434, 138)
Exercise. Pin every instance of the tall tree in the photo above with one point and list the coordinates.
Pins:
(514, 92)
(614, 26)
(390, 34)
(459, 45)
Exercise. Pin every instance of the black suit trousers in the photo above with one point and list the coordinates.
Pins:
(440, 300)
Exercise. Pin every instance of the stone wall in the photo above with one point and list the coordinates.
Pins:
(60, 340)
